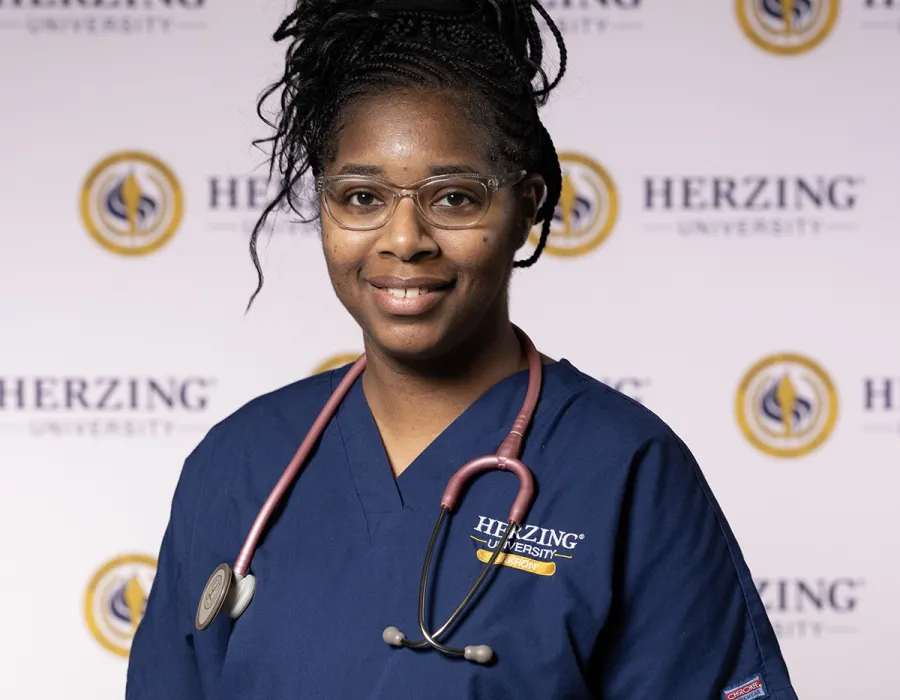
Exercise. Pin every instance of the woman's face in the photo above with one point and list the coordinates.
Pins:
(403, 138)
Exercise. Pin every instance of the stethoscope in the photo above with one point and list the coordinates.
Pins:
(232, 588)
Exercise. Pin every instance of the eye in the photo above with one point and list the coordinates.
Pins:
(361, 198)
(455, 198)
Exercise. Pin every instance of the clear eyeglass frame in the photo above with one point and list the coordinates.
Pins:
(491, 184)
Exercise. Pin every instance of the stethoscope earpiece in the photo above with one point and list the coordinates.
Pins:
(480, 654)
(393, 636)
(233, 589)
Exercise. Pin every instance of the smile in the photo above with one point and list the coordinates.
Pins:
(409, 292)
(408, 297)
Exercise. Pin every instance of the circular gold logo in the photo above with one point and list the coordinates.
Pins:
(116, 599)
(336, 361)
(786, 405)
(131, 203)
(587, 210)
(787, 27)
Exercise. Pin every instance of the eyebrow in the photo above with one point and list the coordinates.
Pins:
(357, 169)
(452, 169)
(376, 171)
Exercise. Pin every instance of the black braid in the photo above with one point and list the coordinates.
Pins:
(553, 179)
(490, 52)
(563, 54)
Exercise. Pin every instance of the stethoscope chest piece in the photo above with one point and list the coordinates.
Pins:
(224, 589)
(213, 597)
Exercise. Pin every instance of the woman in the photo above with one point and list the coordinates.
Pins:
(418, 122)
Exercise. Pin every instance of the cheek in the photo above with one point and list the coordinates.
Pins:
(487, 255)
(341, 259)
(498, 242)
(501, 236)
(338, 249)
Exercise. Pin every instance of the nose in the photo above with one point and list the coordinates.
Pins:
(407, 235)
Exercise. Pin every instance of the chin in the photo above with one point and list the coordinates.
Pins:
(411, 341)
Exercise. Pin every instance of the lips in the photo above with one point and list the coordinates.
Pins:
(423, 284)
(409, 296)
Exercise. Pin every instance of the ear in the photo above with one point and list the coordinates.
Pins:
(533, 193)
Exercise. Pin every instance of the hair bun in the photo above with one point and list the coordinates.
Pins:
(450, 7)
(319, 24)
(310, 17)
(515, 24)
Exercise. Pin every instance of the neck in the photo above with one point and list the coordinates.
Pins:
(414, 402)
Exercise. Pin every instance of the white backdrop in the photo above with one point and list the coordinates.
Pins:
(727, 252)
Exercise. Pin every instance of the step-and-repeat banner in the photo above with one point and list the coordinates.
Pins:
(727, 252)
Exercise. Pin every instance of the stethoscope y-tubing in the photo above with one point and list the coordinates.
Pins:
(430, 639)
(506, 460)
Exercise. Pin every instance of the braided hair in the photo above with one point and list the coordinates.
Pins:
(489, 51)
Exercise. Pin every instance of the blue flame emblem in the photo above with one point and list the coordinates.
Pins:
(119, 607)
(118, 206)
(580, 212)
(800, 10)
(771, 407)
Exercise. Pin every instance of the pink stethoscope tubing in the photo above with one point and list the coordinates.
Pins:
(237, 584)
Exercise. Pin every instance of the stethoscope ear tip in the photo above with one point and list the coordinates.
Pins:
(480, 654)
(393, 636)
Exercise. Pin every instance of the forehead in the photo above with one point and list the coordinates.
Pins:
(406, 134)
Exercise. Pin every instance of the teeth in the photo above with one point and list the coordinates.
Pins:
(411, 292)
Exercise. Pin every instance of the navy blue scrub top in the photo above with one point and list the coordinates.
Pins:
(626, 582)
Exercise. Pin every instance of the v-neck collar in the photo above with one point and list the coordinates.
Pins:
(477, 431)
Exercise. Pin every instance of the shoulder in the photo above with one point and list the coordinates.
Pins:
(281, 409)
(594, 413)
(619, 447)
(267, 420)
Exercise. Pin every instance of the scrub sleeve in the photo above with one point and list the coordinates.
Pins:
(162, 663)
(687, 622)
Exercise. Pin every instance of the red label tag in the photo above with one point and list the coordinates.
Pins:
(751, 690)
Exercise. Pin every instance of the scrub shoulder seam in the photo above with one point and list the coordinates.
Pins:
(747, 608)
(211, 438)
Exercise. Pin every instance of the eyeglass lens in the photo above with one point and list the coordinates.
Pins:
(452, 202)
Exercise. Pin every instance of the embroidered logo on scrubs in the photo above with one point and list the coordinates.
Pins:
(131, 203)
(587, 210)
(532, 548)
(786, 405)
(749, 690)
(116, 598)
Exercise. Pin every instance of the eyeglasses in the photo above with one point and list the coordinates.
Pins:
(453, 201)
